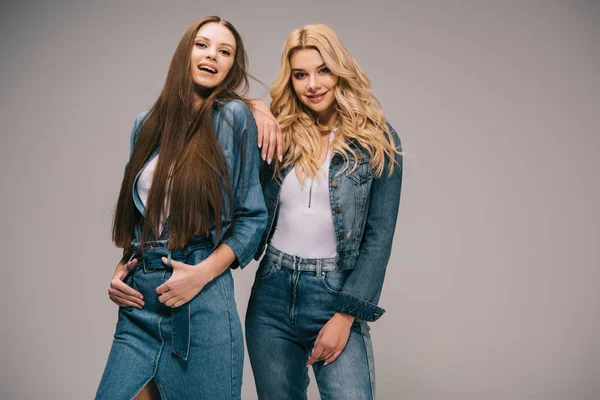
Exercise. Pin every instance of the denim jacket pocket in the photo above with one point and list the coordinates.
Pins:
(362, 173)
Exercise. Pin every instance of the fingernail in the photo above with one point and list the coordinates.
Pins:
(280, 158)
(269, 160)
(260, 145)
(264, 156)
(325, 364)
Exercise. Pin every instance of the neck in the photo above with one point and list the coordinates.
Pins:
(198, 97)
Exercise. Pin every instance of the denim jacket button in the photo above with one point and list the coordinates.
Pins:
(337, 209)
(340, 236)
(334, 184)
(336, 160)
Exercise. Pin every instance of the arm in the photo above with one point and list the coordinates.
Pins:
(360, 294)
(250, 210)
(118, 291)
(269, 131)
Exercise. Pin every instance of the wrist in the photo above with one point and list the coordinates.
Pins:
(347, 318)
(203, 272)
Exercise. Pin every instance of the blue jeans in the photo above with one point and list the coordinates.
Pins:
(193, 351)
(292, 298)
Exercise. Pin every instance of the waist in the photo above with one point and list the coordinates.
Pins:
(151, 253)
(300, 264)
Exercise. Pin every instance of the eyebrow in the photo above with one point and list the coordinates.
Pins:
(300, 69)
(220, 44)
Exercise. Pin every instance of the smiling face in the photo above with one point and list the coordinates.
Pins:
(212, 56)
(313, 83)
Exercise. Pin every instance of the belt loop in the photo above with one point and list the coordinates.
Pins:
(295, 266)
(128, 261)
(279, 259)
(169, 258)
(319, 266)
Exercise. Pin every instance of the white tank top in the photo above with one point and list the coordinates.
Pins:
(144, 184)
(304, 225)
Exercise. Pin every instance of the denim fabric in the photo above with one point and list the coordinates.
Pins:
(142, 348)
(364, 212)
(195, 350)
(236, 132)
(287, 309)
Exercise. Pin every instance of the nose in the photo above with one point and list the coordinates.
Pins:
(211, 53)
(313, 84)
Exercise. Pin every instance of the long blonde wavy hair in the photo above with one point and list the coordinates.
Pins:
(358, 116)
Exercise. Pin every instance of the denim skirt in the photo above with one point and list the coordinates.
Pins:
(192, 351)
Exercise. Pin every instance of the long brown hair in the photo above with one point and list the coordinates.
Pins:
(191, 171)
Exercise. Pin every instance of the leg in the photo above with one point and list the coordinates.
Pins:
(137, 342)
(213, 370)
(148, 392)
(356, 361)
(277, 357)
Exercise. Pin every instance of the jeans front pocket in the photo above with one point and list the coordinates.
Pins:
(265, 269)
(334, 280)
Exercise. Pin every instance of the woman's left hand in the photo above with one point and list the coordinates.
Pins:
(332, 339)
(185, 283)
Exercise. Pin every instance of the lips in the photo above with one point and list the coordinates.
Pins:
(208, 68)
(316, 98)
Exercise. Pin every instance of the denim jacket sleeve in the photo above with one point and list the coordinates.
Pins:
(134, 131)
(250, 211)
(361, 291)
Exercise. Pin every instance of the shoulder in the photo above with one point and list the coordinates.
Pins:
(139, 121)
(395, 136)
(140, 118)
(235, 115)
(235, 109)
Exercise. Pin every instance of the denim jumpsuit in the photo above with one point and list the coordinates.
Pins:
(293, 298)
(194, 351)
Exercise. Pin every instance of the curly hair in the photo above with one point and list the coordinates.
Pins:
(359, 116)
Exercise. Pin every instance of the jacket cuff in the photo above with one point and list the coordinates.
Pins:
(242, 256)
(358, 308)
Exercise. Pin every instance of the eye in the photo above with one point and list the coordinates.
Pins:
(201, 45)
(325, 70)
(299, 75)
(225, 53)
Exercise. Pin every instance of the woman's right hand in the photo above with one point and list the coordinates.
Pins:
(270, 139)
(121, 293)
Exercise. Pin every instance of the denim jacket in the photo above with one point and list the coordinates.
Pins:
(364, 211)
(232, 123)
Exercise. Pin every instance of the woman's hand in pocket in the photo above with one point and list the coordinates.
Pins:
(121, 293)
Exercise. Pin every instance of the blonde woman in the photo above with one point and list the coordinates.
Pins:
(332, 205)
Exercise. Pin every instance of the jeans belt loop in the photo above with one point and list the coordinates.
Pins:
(319, 266)
(279, 261)
(169, 259)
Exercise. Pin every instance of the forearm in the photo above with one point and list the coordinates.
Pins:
(218, 261)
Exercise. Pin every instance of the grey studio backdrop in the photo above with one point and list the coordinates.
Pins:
(492, 287)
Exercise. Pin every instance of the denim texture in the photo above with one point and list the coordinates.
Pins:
(287, 309)
(142, 348)
(364, 210)
(195, 350)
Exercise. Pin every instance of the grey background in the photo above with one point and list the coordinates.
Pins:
(492, 289)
